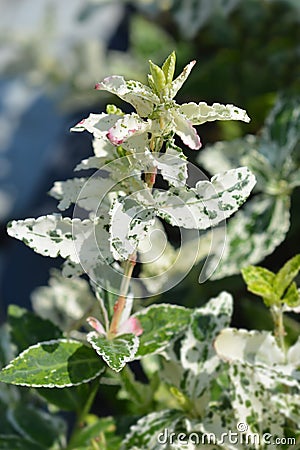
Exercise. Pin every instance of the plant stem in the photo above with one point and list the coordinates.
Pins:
(81, 415)
(279, 330)
(121, 302)
(128, 269)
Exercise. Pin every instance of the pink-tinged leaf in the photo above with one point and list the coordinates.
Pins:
(137, 94)
(132, 325)
(127, 126)
(185, 130)
(97, 124)
(178, 82)
(94, 323)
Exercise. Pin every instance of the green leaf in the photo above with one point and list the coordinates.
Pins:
(208, 203)
(55, 363)
(260, 282)
(292, 296)
(158, 77)
(252, 234)
(141, 394)
(18, 443)
(282, 128)
(168, 67)
(28, 329)
(67, 399)
(95, 430)
(161, 324)
(115, 352)
(6, 347)
(286, 275)
(36, 425)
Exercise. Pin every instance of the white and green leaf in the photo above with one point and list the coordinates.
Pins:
(56, 363)
(201, 112)
(252, 234)
(208, 203)
(129, 224)
(84, 242)
(115, 352)
(179, 81)
(144, 434)
(141, 97)
(161, 325)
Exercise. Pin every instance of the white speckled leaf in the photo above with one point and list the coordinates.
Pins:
(252, 234)
(201, 112)
(129, 224)
(143, 435)
(87, 193)
(197, 355)
(115, 352)
(64, 301)
(126, 127)
(84, 242)
(185, 130)
(178, 82)
(253, 404)
(248, 346)
(208, 203)
(133, 92)
(172, 166)
(97, 124)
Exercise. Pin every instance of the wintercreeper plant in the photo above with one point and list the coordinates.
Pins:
(121, 199)
(188, 349)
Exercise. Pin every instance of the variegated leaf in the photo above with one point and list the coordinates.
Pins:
(252, 234)
(115, 352)
(129, 224)
(179, 81)
(197, 355)
(149, 431)
(259, 351)
(137, 94)
(87, 193)
(252, 403)
(84, 242)
(97, 124)
(185, 130)
(201, 112)
(56, 363)
(126, 127)
(255, 347)
(161, 324)
(208, 203)
(172, 166)
(64, 301)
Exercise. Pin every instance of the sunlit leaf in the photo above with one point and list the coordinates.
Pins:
(115, 352)
(56, 363)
